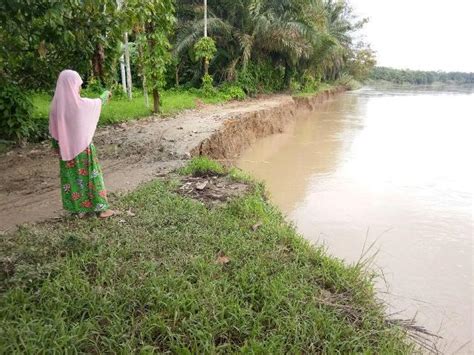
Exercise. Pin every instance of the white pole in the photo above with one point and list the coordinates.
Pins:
(122, 64)
(127, 63)
(122, 74)
(205, 18)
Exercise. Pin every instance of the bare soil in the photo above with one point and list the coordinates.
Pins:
(141, 150)
(211, 190)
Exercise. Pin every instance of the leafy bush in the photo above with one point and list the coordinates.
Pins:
(348, 82)
(295, 86)
(232, 92)
(94, 87)
(207, 87)
(118, 93)
(261, 77)
(309, 83)
(16, 122)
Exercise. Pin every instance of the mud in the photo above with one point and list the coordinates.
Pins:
(211, 190)
(139, 151)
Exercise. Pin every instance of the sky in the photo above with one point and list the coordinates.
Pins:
(420, 34)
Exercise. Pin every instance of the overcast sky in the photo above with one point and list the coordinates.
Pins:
(420, 34)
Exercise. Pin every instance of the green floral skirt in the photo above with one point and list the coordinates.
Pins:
(82, 183)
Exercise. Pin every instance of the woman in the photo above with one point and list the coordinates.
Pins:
(72, 124)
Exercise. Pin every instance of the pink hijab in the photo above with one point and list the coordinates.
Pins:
(72, 119)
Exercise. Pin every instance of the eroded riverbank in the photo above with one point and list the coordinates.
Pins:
(138, 152)
(389, 171)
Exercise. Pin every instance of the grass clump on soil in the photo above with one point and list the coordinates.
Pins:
(202, 166)
(174, 276)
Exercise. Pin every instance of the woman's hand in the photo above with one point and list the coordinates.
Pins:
(105, 97)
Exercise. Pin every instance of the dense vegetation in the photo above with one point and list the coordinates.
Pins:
(173, 276)
(419, 77)
(253, 46)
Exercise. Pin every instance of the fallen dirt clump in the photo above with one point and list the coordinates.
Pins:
(211, 190)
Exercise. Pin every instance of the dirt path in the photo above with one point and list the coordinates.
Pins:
(130, 154)
(141, 150)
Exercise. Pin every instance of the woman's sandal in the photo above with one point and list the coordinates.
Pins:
(107, 214)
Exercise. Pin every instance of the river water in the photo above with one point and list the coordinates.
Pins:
(387, 174)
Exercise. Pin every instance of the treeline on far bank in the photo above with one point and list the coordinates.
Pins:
(419, 77)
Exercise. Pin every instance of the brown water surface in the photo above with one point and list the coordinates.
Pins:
(395, 169)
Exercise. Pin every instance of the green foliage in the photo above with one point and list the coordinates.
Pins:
(231, 92)
(41, 38)
(361, 62)
(207, 85)
(293, 35)
(205, 48)
(202, 166)
(155, 21)
(261, 77)
(117, 92)
(295, 85)
(94, 87)
(309, 83)
(16, 111)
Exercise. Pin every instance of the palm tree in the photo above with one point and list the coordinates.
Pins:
(245, 29)
(299, 35)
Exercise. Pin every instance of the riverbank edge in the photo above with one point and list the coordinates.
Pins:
(243, 129)
(73, 283)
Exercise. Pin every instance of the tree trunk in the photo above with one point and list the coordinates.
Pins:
(176, 76)
(98, 62)
(206, 66)
(156, 101)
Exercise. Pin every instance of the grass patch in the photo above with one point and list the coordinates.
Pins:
(202, 166)
(122, 110)
(178, 277)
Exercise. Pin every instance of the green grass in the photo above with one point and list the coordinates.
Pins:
(151, 283)
(202, 166)
(122, 110)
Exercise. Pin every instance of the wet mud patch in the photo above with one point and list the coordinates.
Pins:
(211, 190)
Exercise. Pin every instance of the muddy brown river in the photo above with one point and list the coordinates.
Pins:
(389, 174)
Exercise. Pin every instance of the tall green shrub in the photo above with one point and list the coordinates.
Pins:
(205, 49)
(16, 110)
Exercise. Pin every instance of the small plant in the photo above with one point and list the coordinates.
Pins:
(309, 82)
(94, 86)
(295, 86)
(233, 92)
(16, 121)
(207, 87)
(118, 93)
(205, 49)
(202, 166)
